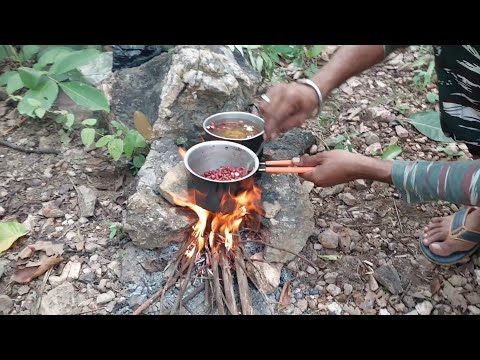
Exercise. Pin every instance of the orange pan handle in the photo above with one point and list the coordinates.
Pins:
(288, 170)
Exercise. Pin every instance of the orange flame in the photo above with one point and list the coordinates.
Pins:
(221, 226)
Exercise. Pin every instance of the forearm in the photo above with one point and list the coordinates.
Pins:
(421, 181)
(348, 61)
(374, 169)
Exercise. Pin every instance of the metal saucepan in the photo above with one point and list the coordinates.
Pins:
(212, 155)
(254, 143)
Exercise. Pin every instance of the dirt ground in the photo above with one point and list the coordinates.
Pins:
(382, 230)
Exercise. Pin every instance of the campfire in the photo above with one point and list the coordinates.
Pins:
(213, 253)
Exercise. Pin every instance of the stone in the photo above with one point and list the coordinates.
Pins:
(313, 149)
(151, 222)
(87, 198)
(6, 304)
(349, 199)
(457, 280)
(371, 138)
(52, 212)
(372, 283)
(374, 149)
(473, 298)
(331, 191)
(334, 290)
(266, 274)
(402, 133)
(334, 309)
(3, 263)
(174, 183)
(271, 209)
(387, 276)
(59, 301)
(330, 278)
(74, 272)
(105, 297)
(473, 310)
(329, 239)
(360, 184)
(383, 312)
(2, 211)
(454, 296)
(302, 305)
(295, 218)
(98, 69)
(289, 145)
(347, 289)
(311, 270)
(24, 289)
(424, 308)
(178, 90)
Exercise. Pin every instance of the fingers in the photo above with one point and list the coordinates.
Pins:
(309, 176)
(307, 160)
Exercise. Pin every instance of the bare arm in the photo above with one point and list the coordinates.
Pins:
(348, 61)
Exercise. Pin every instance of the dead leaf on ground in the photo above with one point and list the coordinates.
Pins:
(435, 285)
(119, 182)
(48, 247)
(152, 266)
(142, 124)
(285, 296)
(27, 274)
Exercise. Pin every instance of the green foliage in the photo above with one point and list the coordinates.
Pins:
(344, 142)
(266, 58)
(428, 123)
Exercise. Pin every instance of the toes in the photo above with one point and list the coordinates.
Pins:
(441, 248)
(436, 237)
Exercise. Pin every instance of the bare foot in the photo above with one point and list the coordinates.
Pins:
(437, 231)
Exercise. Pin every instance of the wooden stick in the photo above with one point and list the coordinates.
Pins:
(228, 284)
(245, 298)
(216, 283)
(194, 293)
(398, 215)
(28, 151)
(177, 304)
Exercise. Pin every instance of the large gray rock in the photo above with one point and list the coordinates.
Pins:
(180, 89)
(151, 222)
(293, 143)
(162, 158)
(293, 224)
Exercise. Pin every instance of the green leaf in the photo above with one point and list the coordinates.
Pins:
(64, 137)
(428, 123)
(140, 141)
(39, 112)
(5, 77)
(88, 136)
(283, 49)
(138, 161)
(316, 50)
(311, 70)
(329, 257)
(46, 94)
(85, 95)
(69, 120)
(14, 83)
(432, 97)
(29, 50)
(10, 231)
(113, 232)
(51, 55)
(182, 140)
(259, 63)
(104, 140)
(34, 102)
(89, 122)
(119, 126)
(115, 148)
(391, 152)
(73, 61)
(129, 144)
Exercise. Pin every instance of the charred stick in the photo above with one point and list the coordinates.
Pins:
(194, 293)
(242, 280)
(228, 284)
(216, 284)
(177, 304)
